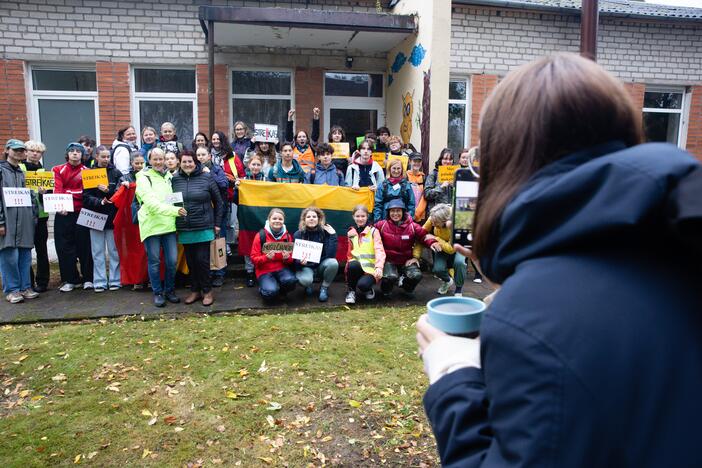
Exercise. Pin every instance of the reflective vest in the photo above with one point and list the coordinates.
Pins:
(305, 159)
(364, 251)
(232, 166)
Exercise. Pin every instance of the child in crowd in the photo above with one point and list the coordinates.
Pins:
(200, 140)
(416, 177)
(365, 256)
(253, 173)
(468, 159)
(303, 151)
(439, 192)
(338, 135)
(364, 172)
(169, 139)
(395, 146)
(125, 142)
(313, 228)
(89, 145)
(267, 154)
(273, 262)
(148, 141)
(439, 225)
(103, 241)
(287, 170)
(172, 164)
(383, 135)
(325, 172)
(40, 282)
(395, 186)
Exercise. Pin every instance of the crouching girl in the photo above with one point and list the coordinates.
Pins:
(272, 264)
(365, 256)
(313, 228)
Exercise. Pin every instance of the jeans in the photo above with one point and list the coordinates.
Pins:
(444, 261)
(198, 257)
(98, 241)
(326, 270)
(15, 263)
(73, 242)
(391, 274)
(358, 278)
(248, 264)
(41, 236)
(272, 284)
(153, 245)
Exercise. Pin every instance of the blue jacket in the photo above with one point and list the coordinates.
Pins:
(592, 350)
(323, 237)
(329, 176)
(386, 192)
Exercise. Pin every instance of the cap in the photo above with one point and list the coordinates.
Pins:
(415, 156)
(75, 144)
(395, 203)
(14, 144)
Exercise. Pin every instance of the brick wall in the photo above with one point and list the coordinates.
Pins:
(13, 106)
(481, 87)
(694, 129)
(113, 98)
(222, 119)
(636, 91)
(309, 86)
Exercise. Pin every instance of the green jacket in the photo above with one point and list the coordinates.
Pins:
(156, 217)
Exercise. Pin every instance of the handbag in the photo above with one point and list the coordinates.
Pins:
(218, 253)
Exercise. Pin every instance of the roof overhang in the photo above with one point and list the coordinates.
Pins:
(306, 29)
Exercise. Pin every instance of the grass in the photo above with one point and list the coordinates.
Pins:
(342, 387)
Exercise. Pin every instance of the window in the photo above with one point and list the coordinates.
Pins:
(459, 115)
(663, 115)
(64, 108)
(355, 102)
(262, 97)
(166, 95)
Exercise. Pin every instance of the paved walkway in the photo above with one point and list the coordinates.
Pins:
(234, 296)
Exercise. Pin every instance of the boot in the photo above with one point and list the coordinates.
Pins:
(250, 280)
(207, 299)
(192, 297)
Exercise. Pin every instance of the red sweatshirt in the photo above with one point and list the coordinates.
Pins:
(67, 179)
(264, 264)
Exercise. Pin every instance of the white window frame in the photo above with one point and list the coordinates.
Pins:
(684, 110)
(137, 97)
(37, 94)
(352, 103)
(233, 95)
(467, 143)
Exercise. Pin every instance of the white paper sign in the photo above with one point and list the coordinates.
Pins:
(17, 197)
(174, 198)
(306, 250)
(54, 202)
(267, 133)
(92, 219)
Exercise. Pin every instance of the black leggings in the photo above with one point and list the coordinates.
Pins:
(357, 278)
(198, 257)
(41, 235)
(73, 243)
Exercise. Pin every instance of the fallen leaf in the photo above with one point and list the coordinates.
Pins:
(271, 420)
(274, 406)
(91, 455)
(146, 453)
(152, 421)
(24, 394)
(59, 378)
(231, 395)
(221, 428)
(77, 459)
(170, 420)
(23, 357)
(146, 413)
(268, 460)
(263, 367)
(355, 404)
(178, 429)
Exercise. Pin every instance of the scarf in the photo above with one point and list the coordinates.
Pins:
(276, 235)
(394, 180)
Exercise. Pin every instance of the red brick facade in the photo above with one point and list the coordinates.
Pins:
(222, 118)
(113, 98)
(694, 128)
(309, 93)
(13, 113)
(481, 87)
(636, 91)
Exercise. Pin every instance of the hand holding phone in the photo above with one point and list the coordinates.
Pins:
(464, 203)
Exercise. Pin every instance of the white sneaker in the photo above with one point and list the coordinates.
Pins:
(370, 295)
(478, 280)
(400, 281)
(351, 297)
(458, 294)
(67, 287)
(14, 297)
(114, 287)
(29, 293)
(445, 286)
(87, 285)
(99, 289)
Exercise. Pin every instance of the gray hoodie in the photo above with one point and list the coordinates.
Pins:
(19, 222)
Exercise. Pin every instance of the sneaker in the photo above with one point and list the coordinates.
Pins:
(14, 297)
(67, 287)
(137, 287)
(445, 286)
(309, 291)
(351, 297)
(217, 282)
(41, 288)
(477, 280)
(172, 298)
(88, 285)
(115, 288)
(159, 300)
(323, 294)
(229, 251)
(400, 281)
(370, 295)
(250, 280)
(29, 293)
(99, 289)
(458, 294)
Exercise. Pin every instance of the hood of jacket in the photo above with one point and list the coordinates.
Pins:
(606, 196)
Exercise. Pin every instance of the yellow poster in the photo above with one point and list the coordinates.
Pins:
(446, 173)
(94, 177)
(404, 159)
(36, 180)
(379, 158)
(341, 150)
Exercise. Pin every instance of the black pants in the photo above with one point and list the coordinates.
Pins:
(357, 278)
(41, 236)
(73, 242)
(198, 257)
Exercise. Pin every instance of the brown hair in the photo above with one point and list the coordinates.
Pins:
(539, 113)
(395, 162)
(320, 217)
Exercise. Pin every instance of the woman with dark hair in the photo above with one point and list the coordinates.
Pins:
(436, 192)
(122, 147)
(303, 145)
(220, 148)
(200, 140)
(580, 361)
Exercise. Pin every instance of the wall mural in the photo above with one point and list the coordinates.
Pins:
(424, 126)
(407, 111)
(415, 59)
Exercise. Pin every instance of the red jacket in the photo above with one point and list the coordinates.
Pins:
(398, 239)
(67, 179)
(261, 262)
(240, 173)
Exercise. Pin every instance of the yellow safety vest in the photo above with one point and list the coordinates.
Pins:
(232, 166)
(364, 252)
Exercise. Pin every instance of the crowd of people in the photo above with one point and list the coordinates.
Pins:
(149, 236)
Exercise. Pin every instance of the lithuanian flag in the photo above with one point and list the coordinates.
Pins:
(257, 198)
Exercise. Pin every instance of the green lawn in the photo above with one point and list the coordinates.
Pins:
(336, 388)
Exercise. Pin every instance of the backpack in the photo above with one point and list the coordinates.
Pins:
(136, 205)
(114, 150)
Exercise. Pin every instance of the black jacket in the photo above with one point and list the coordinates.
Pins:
(92, 198)
(201, 199)
(321, 236)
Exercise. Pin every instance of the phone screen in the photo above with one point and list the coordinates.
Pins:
(466, 199)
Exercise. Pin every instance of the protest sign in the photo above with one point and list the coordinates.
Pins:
(94, 177)
(341, 150)
(403, 159)
(35, 180)
(307, 250)
(447, 173)
(277, 247)
(266, 133)
(54, 202)
(92, 219)
(174, 198)
(17, 197)
(379, 157)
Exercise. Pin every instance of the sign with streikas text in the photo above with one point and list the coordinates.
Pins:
(94, 177)
(92, 219)
(173, 198)
(379, 157)
(16, 197)
(266, 133)
(341, 150)
(35, 180)
(447, 173)
(55, 202)
(307, 251)
(403, 159)
(277, 247)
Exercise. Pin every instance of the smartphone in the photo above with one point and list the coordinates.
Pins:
(465, 199)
